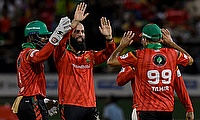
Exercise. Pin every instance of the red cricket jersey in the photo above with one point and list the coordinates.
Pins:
(128, 74)
(154, 80)
(30, 71)
(75, 74)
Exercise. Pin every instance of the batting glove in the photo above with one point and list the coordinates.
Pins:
(63, 27)
(52, 106)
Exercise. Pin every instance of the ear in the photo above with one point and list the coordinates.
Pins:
(145, 40)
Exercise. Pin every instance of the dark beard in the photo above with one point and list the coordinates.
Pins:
(79, 46)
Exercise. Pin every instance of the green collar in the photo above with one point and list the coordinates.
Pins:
(28, 45)
(154, 46)
(68, 47)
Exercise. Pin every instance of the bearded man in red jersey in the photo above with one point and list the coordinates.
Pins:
(75, 69)
(155, 71)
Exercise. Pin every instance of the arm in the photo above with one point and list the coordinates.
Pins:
(125, 41)
(79, 15)
(38, 56)
(168, 41)
(183, 95)
(125, 75)
(62, 28)
(106, 30)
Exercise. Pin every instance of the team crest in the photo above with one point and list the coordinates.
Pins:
(159, 60)
(87, 59)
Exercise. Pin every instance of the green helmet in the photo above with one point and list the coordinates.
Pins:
(36, 27)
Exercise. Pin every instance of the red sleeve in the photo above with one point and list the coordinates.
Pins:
(125, 75)
(60, 49)
(102, 55)
(182, 59)
(37, 56)
(128, 59)
(182, 93)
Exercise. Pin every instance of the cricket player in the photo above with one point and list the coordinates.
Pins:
(30, 104)
(155, 69)
(127, 74)
(75, 69)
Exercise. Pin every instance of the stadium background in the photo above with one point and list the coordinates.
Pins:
(181, 17)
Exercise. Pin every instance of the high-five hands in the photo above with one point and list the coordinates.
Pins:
(127, 38)
(63, 27)
(80, 14)
(105, 28)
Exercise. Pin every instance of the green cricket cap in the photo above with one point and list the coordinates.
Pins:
(151, 31)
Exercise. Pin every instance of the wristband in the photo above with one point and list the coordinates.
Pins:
(109, 40)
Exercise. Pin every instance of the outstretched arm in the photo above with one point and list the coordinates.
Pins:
(168, 41)
(125, 41)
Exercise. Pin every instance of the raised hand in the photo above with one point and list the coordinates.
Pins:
(63, 27)
(127, 38)
(105, 28)
(80, 14)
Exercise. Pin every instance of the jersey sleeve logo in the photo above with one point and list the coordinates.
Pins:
(185, 56)
(124, 56)
(159, 60)
(33, 52)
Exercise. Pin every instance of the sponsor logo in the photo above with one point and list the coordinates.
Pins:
(81, 66)
(54, 40)
(33, 28)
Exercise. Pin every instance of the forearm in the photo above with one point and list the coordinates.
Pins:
(113, 61)
(43, 54)
(177, 47)
(74, 23)
(183, 95)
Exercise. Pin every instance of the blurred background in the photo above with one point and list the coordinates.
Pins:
(181, 17)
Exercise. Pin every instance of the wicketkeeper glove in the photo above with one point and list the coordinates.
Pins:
(63, 27)
(52, 106)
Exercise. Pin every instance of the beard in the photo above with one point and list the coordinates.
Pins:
(79, 46)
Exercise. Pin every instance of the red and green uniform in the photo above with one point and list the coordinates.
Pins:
(75, 74)
(128, 74)
(155, 76)
(31, 82)
(30, 70)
